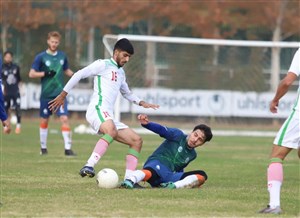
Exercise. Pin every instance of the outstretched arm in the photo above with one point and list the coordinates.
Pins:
(154, 127)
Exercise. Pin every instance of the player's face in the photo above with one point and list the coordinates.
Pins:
(7, 58)
(53, 43)
(122, 57)
(196, 138)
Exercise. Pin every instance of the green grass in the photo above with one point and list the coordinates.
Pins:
(50, 186)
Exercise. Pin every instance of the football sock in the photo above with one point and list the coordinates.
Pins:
(66, 133)
(137, 176)
(190, 181)
(99, 150)
(148, 175)
(18, 126)
(275, 179)
(131, 162)
(43, 135)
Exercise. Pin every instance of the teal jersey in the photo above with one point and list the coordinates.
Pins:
(174, 151)
(51, 86)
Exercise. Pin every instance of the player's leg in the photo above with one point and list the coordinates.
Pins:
(6, 100)
(44, 119)
(7, 104)
(66, 129)
(17, 103)
(103, 124)
(286, 139)
(147, 174)
(131, 138)
(191, 179)
(275, 178)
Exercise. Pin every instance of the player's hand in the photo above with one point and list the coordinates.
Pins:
(57, 102)
(274, 106)
(50, 73)
(6, 126)
(143, 118)
(147, 105)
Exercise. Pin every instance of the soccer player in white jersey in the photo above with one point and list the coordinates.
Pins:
(109, 80)
(287, 138)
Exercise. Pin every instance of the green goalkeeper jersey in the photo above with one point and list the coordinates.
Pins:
(51, 86)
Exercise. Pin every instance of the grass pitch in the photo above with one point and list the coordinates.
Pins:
(50, 186)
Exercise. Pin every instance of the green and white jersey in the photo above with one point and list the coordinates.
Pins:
(109, 81)
(295, 68)
(174, 151)
(51, 86)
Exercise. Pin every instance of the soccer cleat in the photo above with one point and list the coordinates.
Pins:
(69, 153)
(268, 209)
(87, 171)
(138, 186)
(168, 185)
(127, 184)
(44, 151)
(18, 130)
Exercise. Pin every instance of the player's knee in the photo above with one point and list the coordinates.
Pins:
(112, 132)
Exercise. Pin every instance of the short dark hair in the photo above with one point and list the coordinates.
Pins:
(8, 52)
(124, 45)
(206, 130)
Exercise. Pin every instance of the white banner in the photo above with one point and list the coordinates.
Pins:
(180, 102)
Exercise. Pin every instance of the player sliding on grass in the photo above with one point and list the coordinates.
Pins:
(164, 168)
(109, 81)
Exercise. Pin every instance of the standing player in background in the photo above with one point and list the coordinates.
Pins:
(12, 83)
(109, 81)
(49, 66)
(3, 116)
(287, 138)
(164, 168)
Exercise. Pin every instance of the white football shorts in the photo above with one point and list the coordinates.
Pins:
(97, 115)
(289, 133)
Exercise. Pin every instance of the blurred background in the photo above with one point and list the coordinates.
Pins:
(172, 66)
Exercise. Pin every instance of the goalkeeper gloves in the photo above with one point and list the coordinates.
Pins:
(50, 73)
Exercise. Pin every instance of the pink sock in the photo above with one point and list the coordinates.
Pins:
(101, 147)
(275, 178)
(131, 162)
(275, 172)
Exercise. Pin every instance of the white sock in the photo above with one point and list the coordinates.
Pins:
(93, 160)
(18, 125)
(67, 139)
(188, 182)
(274, 190)
(137, 176)
(43, 137)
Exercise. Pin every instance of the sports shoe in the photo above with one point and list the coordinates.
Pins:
(268, 209)
(87, 171)
(138, 186)
(69, 153)
(168, 185)
(127, 184)
(18, 130)
(44, 151)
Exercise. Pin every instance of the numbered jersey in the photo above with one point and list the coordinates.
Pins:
(109, 81)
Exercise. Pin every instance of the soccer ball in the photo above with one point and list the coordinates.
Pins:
(107, 178)
(13, 119)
